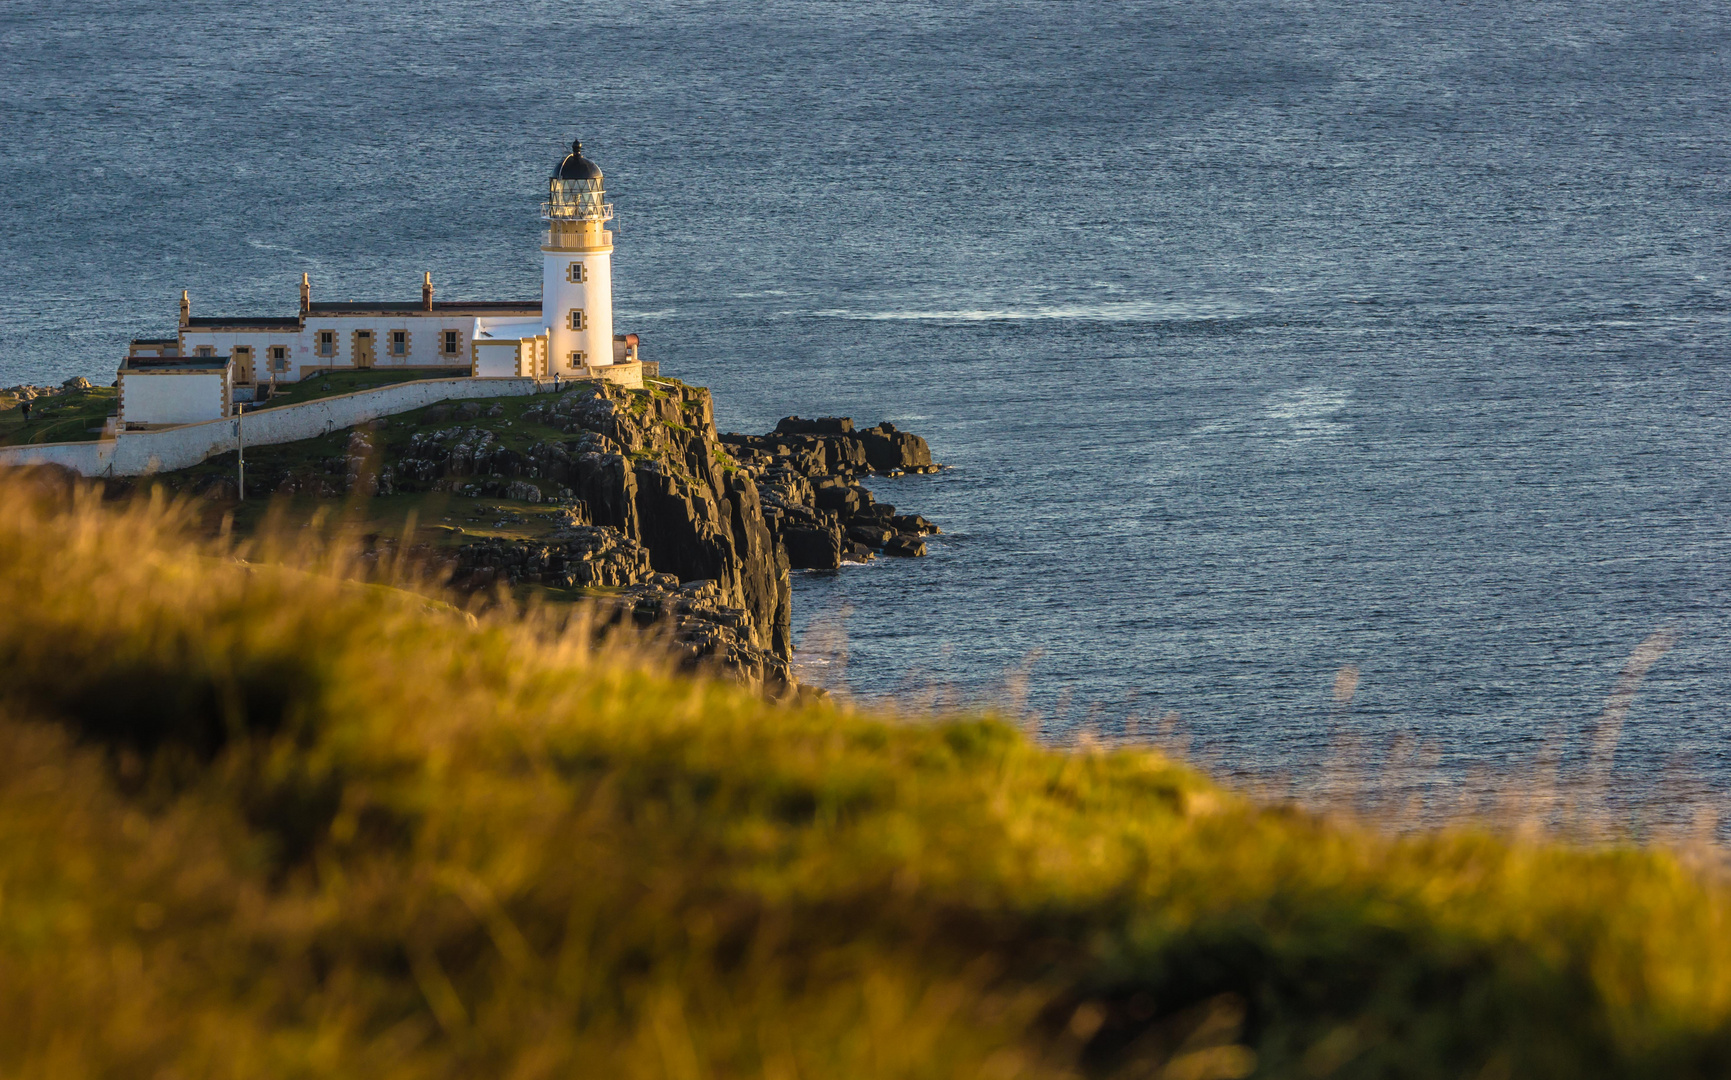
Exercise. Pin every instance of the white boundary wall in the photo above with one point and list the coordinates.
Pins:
(137, 453)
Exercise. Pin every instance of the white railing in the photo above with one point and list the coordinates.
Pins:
(576, 211)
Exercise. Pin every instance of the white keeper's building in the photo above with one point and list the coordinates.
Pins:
(215, 362)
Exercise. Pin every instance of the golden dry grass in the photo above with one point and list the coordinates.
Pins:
(259, 818)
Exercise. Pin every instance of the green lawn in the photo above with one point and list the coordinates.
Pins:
(439, 519)
(347, 382)
(392, 437)
(65, 417)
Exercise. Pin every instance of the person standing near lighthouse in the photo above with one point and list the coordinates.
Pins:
(577, 274)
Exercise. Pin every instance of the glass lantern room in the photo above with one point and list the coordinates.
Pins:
(574, 192)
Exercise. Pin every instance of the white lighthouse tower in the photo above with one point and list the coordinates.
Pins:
(577, 274)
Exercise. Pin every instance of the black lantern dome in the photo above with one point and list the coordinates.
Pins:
(576, 166)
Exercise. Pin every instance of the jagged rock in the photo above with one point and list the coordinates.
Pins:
(871, 536)
(888, 449)
(711, 635)
(813, 549)
(764, 566)
(831, 446)
(593, 411)
(660, 516)
(877, 511)
(77, 382)
(905, 545)
(552, 460)
(582, 556)
(823, 425)
(805, 473)
(784, 487)
(608, 486)
(845, 500)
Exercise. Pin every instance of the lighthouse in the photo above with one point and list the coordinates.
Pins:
(577, 266)
(213, 362)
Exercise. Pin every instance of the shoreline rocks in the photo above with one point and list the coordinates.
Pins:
(816, 509)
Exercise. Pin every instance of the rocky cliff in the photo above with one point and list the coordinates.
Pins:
(807, 473)
(662, 518)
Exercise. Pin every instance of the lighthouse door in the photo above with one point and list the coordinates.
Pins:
(363, 348)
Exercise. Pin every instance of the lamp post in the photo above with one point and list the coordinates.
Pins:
(240, 450)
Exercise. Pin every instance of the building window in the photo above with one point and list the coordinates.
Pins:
(205, 350)
(578, 359)
(578, 273)
(399, 343)
(578, 322)
(279, 358)
(327, 343)
(451, 340)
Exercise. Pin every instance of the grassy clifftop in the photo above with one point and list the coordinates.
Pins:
(261, 818)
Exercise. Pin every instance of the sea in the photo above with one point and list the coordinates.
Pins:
(1306, 373)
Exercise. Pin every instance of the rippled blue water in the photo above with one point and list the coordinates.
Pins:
(1263, 338)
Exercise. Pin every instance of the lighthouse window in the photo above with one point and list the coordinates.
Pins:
(578, 322)
(578, 359)
(399, 343)
(578, 272)
(450, 343)
(327, 343)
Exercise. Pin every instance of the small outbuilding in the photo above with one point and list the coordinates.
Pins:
(508, 349)
(164, 391)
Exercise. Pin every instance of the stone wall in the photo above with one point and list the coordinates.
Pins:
(140, 453)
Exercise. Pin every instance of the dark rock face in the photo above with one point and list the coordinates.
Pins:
(831, 447)
(702, 627)
(650, 466)
(708, 633)
(905, 546)
(763, 563)
(888, 449)
(806, 472)
(682, 527)
(585, 556)
(913, 524)
(823, 425)
(813, 549)
(872, 536)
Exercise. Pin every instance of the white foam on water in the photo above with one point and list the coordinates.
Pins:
(1126, 311)
(1308, 410)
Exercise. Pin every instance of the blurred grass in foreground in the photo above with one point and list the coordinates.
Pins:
(261, 818)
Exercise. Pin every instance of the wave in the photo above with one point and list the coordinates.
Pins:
(1126, 311)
